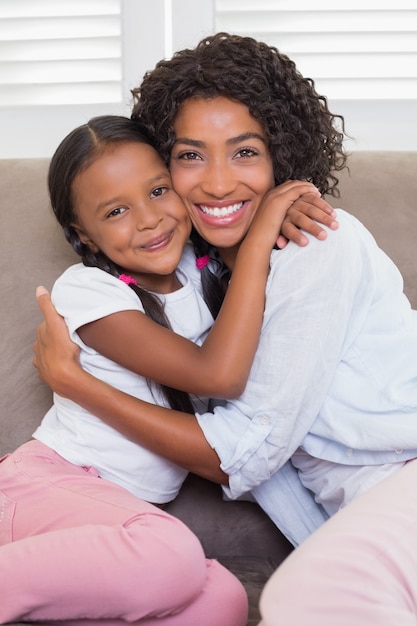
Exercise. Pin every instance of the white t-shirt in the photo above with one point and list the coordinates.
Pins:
(82, 295)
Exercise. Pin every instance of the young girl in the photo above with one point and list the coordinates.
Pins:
(112, 194)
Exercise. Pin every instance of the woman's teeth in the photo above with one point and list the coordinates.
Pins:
(223, 212)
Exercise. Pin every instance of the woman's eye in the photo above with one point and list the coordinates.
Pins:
(158, 191)
(246, 152)
(117, 211)
(188, 156)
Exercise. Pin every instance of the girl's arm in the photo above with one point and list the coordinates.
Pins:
(304, 215)
(220, 367)
(174, 435)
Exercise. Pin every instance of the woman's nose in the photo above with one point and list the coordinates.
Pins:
(219, 180)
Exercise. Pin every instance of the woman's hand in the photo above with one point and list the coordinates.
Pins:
(304, 214)
(56, 356)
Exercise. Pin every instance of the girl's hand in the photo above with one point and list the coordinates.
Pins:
(304, 214)
(56, 356)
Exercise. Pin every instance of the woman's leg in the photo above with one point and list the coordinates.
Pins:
(359, 568)
(74, 547)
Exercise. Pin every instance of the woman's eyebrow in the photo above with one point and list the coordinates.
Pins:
(195, 143)
(245, 137)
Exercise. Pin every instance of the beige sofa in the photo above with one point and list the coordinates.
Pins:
(381, 190)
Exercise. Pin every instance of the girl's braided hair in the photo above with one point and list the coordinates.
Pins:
(305, 138)
(75, 153)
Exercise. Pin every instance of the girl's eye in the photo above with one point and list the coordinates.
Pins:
(117, 211)
(188, 156)
(246, 152)
(158, 191)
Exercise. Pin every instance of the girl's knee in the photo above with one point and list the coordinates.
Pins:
(222, 601)
(227, 597)
(168, 563)
(161, 549)
(179, 579)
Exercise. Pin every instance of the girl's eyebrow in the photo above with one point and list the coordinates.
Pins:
(107, 203)
(195, 143)
(155, 180)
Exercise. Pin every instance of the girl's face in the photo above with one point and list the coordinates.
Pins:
(126, 208)
(221, 167)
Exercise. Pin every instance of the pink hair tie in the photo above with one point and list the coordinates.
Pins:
(202, 261)
(129, 280)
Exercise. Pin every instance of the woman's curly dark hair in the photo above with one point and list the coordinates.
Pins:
(305, 138)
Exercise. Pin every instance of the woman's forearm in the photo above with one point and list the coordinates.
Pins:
(172, 434)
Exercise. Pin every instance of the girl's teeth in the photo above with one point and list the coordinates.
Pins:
(223, 212)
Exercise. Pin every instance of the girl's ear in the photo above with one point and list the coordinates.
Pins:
(84, 238)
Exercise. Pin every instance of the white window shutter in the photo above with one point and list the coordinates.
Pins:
(354, 50)
(60, 52)
(64, 61)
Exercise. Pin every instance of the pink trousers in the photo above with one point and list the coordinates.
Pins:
(75, 547)
(359, 568)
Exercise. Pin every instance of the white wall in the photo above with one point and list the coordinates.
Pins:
(379, 125)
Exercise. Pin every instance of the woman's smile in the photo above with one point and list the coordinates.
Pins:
(220, 209)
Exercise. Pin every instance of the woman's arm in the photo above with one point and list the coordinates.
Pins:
(172, 434)
(220, 367)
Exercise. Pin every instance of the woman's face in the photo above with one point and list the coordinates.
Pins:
(221, 167)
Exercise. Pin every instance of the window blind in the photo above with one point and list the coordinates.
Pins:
(354, 50)
(60, 52)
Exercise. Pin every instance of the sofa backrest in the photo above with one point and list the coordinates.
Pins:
(33, 252)
(381, 190)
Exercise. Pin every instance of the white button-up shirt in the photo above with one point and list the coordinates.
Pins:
(335, 372)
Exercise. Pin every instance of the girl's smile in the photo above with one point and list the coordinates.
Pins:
(127, 209)
(221, 167)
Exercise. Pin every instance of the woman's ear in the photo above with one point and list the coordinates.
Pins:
(84, 238)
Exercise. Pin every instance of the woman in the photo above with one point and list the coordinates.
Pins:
(334, 312)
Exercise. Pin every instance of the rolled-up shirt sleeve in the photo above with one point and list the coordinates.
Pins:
(312, 297)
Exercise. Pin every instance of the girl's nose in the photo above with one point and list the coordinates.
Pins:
(148, 217)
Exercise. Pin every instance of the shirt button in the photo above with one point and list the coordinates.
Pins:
(349, 452)
(398, 451)
(264, 420)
